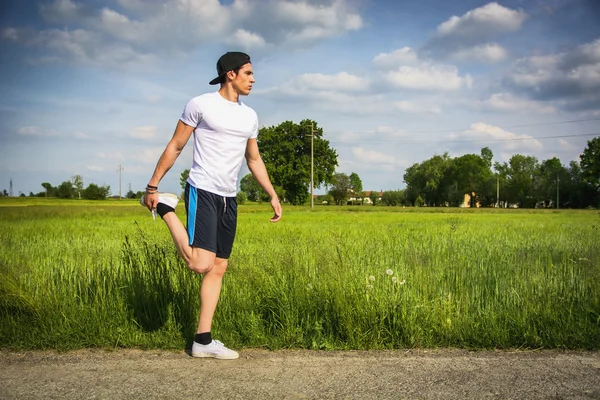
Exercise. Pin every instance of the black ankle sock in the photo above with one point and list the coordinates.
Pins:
(162, 209)
(203, 338)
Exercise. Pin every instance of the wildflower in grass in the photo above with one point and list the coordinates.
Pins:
(389, 272)
(309, 286)
(394, 279)
(402, 282)
(372, 278)
(370, 287)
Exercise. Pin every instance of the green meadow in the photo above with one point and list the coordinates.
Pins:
(76, 274)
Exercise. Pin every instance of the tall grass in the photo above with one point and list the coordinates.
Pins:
(333, 278)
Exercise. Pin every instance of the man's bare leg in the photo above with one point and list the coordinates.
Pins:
(198, 260)
(210, 293)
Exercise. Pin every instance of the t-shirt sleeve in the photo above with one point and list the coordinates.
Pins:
(255, 129)
(192, 114)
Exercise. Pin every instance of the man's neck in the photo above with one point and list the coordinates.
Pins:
(228, 93)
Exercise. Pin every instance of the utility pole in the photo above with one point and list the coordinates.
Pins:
(312, 166)
(119, 169)
(557, 186)
(497, 190)
(11, 188)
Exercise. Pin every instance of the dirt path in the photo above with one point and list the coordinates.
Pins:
(258, 374)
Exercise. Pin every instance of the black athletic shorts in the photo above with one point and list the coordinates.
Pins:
(211, 220)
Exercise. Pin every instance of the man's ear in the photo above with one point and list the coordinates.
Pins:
(231, 75)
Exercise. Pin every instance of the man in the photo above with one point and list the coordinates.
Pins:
(225, 130)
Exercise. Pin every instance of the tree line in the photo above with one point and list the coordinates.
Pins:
(441, 180)
(523, 181)
(74, 189)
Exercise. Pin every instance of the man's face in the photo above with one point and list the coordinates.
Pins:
(242, 82)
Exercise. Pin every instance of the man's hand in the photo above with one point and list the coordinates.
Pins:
(276, 209)
(151, 200)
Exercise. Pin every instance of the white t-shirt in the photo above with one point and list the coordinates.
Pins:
(222, 132)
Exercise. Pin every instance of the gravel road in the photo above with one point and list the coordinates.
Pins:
(260, 374)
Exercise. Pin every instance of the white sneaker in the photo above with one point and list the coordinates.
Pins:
(214, 349)
(169, 199)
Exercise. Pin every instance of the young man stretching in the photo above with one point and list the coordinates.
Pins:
(225, 130)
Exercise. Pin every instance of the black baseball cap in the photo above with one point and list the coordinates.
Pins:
(228, 62)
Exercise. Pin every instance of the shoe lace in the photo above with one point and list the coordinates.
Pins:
(219, 343)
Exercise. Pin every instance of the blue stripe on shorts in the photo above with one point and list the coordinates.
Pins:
(191, 215)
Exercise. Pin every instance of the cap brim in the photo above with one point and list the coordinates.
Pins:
(215, 81)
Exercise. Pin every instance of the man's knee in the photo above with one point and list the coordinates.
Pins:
(200, 266)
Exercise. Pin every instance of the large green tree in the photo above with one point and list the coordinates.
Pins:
(552, 179)
(590, 166)
(340, 188)
(77, 181)
(183, 178)
(65, 190)
(519, 174)
(286, 151)
(250, 186)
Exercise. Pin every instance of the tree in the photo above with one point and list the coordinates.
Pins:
(241, 197)
(340, 188)
(77, 181)
(50, 190)
(470, 172)
(95, 192)
(355, 185)
(286, 151)
(551, 174)
(519, 175)
(183, 178)
(374, 197)
(393, 197)
(590, 165)
(65, 190)
(250, 186)
(431, 179)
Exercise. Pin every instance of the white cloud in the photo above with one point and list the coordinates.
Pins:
(143, 132)
(428, 77)
(415, 108)
(466, 38)
(403, 56)
(507, 140)
(36, 131)
(342, 81)
(507, 102)
(81, 135)
(372, 156)
(61, 11)
(483, 22)
(331, 20)
(153, 98)
(573, 75)
(487, 53)
(248, 40)
(141, 30)
(147, 156)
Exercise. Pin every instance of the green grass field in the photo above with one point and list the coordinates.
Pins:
(79, 274)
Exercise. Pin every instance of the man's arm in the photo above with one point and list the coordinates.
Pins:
(167, 159)
(258, 169)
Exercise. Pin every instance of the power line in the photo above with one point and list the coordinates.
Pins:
(467, 141)
(507, 126)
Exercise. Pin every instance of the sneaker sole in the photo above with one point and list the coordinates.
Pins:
(212, 355)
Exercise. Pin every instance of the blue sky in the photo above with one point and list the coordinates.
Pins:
(87, 86)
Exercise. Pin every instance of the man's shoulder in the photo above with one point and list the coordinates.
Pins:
(203, 97)
(247, 107)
